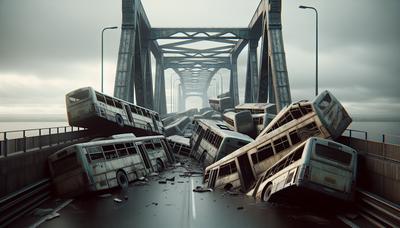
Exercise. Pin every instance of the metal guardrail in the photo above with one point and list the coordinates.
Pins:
(12, 142)
(25, 200)
(378, 211)
(383, 138)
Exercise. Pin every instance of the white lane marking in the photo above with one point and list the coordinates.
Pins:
(193, 201)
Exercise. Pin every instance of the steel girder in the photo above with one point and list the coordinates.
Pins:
(271, 83)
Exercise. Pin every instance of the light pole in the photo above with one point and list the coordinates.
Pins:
(102, 34)
(316, 45)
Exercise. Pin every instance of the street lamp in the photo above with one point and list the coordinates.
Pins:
(316, 45)
(102, 34)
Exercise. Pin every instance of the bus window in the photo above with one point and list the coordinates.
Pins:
(262, 153)
(121, 150)
(79, 96)
(294, 137)
(131, 148)
(149, 146)
(118, 104)
(100, 97)
(109, 151)
(95, 154)
(109, 101)
(333, 154)
(281, 144)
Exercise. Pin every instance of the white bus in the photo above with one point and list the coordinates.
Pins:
(212, 140)
(256, 108)
(298, 122)
(220, 104)
(317, 166)
(177, 127)
(180, 145)
(242, 122)
(261, 121)
(105, 164)
(92, 109)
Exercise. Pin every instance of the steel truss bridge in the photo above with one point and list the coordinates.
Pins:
(182, 50)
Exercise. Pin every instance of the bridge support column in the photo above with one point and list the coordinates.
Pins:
(204, 98)
(160, 100)
(252, 80)
(233, 82)
(181, 100)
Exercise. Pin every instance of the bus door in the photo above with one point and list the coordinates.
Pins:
(246, 173)
(145, 157)
(197, 143)
(168, 151)
(129, 113)
(154, 123)
(213, 178)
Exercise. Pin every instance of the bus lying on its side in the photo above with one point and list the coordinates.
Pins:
(92, 109)
(292, 126)
(220, 104)
(177, 127)
(211, 140)
(105, 164)
(256, 108)
(180, 145)
(315, 166)
(241, 122)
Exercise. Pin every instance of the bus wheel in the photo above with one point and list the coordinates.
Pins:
(122, 179)
(160, 165)
(266, 196)
(119, 120)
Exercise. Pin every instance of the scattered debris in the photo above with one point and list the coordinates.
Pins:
(52, 215)
(42, 211)
(154, 203)
(201, 189)
(118, 200)
(162, 182)
(170, 179)
(181, 182)
(106, 195)
(240, 208)
(153, 174)
(172, 183)
(228, 187)
(143, 179)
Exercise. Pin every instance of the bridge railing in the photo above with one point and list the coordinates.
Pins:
(21, 141)
(380, 138)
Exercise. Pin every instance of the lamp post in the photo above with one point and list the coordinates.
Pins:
(316, 45)
(102, 34)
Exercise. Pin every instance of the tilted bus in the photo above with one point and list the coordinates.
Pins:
(241, 122)
(317, 166)
(212, 140)
(180, 145)
(177, 127)
(256, 108)
(92, 109)
(105, 164)
(220, 104)
(292, 126)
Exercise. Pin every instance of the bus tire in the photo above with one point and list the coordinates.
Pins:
(160, 165)
(119, 120)
(266, 194)
(122, 179)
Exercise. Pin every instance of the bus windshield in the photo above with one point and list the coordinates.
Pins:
(78, 96)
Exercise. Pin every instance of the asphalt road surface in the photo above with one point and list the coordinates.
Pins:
(174, 204)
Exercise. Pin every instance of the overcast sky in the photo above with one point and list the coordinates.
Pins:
(50, 47)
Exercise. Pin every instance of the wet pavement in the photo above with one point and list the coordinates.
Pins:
(172, 203)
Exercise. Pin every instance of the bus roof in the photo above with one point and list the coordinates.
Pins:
(179, 139)
(223, 130)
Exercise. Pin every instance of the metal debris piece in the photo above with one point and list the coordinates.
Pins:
(118, 200)
(240, 208)
(170, 179)
(52, 215)
(42, 211)
(162, 182)
(153, 174)
(201, 189)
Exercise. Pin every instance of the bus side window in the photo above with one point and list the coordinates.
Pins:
(281, 144)
(131, 148)
(109, 151)
(117, 104)
(109, 101)
(121, 150)
(294, 137)
(100, 97)
(263, 153)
